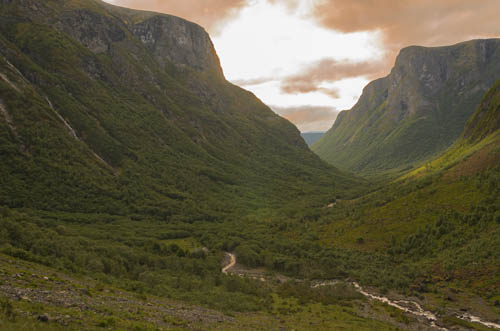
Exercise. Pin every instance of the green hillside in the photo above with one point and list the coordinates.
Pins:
(416, 112)
(96, 117)
(430, 236)
(439, 225)
(486, 119)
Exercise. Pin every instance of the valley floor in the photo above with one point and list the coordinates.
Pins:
(34, 297)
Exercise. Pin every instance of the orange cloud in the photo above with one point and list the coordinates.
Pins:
(328, 70)
(414, 22)
(207, 13)
(402, 23)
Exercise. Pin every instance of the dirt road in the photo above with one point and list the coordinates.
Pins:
(231, 264)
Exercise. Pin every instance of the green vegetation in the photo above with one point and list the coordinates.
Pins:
(127, 173)
(170, 142)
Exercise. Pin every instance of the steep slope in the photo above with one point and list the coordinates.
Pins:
(416, 112)
(105, 109)
(486, 119)
(478, 147)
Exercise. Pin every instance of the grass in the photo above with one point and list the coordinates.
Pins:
(110, 307)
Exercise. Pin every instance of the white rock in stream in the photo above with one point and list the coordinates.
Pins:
(419, 311)
(475, 319)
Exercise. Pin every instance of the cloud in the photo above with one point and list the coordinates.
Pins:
(413, 22)
(326, 71)
(309, 118)
(254, 81)
(401, 23)
(207, 13)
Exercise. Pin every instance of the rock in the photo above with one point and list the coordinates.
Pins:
(180, 42)
(94, 31)
(43, 318)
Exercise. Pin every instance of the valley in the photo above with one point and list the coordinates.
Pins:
(141, 190)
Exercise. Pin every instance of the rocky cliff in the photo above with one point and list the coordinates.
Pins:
(415, 112)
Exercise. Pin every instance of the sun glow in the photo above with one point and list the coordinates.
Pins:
(268, 41)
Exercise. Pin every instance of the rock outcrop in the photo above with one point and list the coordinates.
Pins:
(178, 41)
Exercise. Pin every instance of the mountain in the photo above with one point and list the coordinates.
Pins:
(311, 137)
(441, 221)
(414, 113)
(106, 109)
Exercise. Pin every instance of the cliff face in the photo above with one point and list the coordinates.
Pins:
(178, 41)
(417, 111)
(114, 110)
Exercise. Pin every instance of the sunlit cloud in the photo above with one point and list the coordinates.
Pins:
(409, 22)
(270, 43)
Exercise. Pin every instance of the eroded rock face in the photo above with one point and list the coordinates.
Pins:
(178, 41)
(422, 73)
(94, 31)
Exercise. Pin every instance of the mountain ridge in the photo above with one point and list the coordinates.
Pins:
(414, 113)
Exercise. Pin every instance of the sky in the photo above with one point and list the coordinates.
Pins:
(310, 59)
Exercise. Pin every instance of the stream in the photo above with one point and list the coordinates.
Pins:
(407, 306)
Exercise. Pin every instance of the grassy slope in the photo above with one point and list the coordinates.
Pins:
(438, 225)
(86, 303)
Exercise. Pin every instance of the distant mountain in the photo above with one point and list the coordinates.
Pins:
(416, 112)
(105, 109)
(311, 137)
